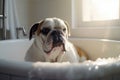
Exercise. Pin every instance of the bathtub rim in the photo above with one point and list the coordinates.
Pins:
(16, 68)
(24, 69)
(70, 38)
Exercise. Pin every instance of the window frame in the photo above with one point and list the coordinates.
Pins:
(94, 29)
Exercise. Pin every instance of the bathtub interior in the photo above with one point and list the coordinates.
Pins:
(98, 48)
(95, 48)
(14, 49)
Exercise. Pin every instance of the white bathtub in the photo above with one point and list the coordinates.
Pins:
(13, 66)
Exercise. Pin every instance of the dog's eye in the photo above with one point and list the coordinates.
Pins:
(64, 29)
(45, 31)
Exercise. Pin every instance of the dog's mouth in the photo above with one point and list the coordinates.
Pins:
(55, 39)
(54, 45)
(55, 42)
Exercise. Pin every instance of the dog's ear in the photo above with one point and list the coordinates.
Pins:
(32, 30)
(39, 27)
(68, 27)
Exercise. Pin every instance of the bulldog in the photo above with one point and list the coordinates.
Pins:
(51, 43)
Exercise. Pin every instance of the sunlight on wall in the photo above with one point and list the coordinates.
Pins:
(97, 10)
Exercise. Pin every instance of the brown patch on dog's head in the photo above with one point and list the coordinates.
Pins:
(35, 28)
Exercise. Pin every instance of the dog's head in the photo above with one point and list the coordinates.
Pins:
(52, 32)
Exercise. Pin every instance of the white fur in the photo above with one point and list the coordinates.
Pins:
(37, 51)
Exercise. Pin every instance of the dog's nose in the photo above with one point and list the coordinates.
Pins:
(57, 38)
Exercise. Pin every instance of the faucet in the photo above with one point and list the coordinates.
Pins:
(21, 29)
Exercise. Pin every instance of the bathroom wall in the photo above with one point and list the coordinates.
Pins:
(31, 11)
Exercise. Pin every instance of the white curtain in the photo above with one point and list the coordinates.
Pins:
(11, 22)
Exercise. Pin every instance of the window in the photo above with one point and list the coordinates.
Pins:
(101, 12)
(96, 19)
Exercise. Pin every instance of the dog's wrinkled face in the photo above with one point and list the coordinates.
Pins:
(52, 32)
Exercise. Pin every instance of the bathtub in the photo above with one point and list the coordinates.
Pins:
(13, 66)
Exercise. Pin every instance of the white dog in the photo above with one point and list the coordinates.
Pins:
(51, 43)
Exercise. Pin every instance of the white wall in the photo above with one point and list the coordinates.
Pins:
(31, 11)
